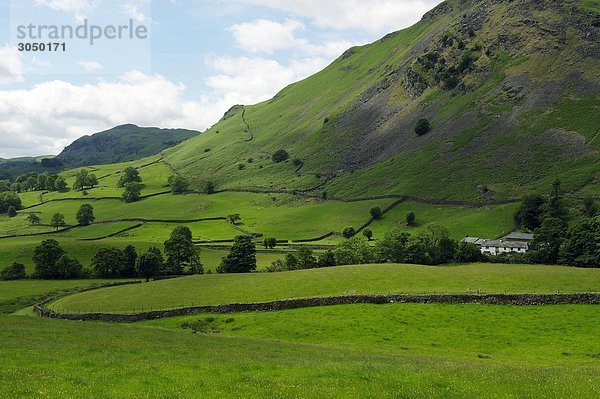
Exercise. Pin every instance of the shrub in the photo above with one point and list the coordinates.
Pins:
(376, 213)
(12, 211)
(280, 156)
(410, 218)
(209, 188)
(241, 166)
(422, 127)
(297, 162)
(16, 271)
(348, 232)
(368, 233)
(270, 242)
(179, 184)
(353, 251)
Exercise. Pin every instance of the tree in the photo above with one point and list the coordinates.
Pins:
(306, 259)
(57, 221)
(422, 127)
(326, 259)
(348, 232)
(280, 156)
(9, 199)
(376, 213)
(233, 219)
(467, 252)
(209, 188)
(368, 233)
(547, 240)
(12, 211)
(392, 248)
(129, 259)
(33, 218)
(108, 262)
(555, 208)
(45, 257)
(181, 252)
(353, 251)
(529, 214)
(85, 215)
(67, 267)
(581, 246)
(270, 242)
(410, 218)
(16, 271)
(297, 162)
(590, 208)
(130, 175)
(148, 265)
(84, 179)
(241, 258)
(179, 184)
(60, 184)
(132, 192)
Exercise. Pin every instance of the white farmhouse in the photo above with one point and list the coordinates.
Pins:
(497, 247)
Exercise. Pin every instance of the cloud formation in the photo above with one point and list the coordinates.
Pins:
(11, 66)
(375, 16)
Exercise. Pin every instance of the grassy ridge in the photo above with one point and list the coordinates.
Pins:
(387, 278)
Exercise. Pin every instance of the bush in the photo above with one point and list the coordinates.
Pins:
(241, 166)
(179, 184)
(422, 127)
(348, 232)
(16, 271)
(376, 213)
(410, 218)
(280, 156)
(297, 162)
(368, 233)
(270, 242)
(12, 211)
(209, 188)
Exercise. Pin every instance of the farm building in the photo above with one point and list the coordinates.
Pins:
(496, 247)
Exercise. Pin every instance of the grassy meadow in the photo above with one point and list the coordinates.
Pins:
(362, 279)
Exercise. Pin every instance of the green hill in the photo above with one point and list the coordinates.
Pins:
(120, 144)
(510, 89)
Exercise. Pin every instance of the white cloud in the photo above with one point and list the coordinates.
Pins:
(76, 7)
(11, 66)
(50, 115)
(133, 11)
(248, 80)
(376, 16)
(264, 36)
(90, 65)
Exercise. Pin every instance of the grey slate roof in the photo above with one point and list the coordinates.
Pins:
(517, 235)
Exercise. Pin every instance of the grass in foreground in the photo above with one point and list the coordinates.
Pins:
(387, 278)
(542, 335)
(96, 360)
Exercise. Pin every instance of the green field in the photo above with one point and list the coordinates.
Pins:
(15, 295)
(416, 351)
(387, 278)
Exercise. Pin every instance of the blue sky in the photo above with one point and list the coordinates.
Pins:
(198, 59)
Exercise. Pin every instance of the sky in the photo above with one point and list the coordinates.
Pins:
(165, 63)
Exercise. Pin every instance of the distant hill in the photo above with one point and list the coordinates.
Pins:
(510, 88)
(120, 144)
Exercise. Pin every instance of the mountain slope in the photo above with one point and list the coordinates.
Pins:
(511, 89)
(120, 144)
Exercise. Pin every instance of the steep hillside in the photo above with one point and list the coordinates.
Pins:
(510, 88)
(120, 144)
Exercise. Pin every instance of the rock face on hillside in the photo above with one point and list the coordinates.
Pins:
(122, 143)
(511, 89)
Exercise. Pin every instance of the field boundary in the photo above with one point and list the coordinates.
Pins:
(296, 303)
